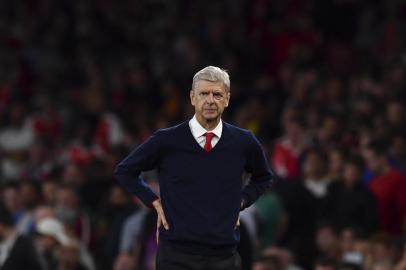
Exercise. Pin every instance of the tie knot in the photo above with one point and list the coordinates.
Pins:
(209, 135)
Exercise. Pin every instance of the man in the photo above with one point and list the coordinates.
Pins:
(17, 252)
(349, 203)
(50, 235)
(200, 164)
(388, 187)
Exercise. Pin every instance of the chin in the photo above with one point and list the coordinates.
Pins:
(211, 117)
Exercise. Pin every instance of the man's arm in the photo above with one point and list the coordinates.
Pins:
(143, 158)
(261, 175)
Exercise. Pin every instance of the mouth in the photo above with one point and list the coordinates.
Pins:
(210, 110)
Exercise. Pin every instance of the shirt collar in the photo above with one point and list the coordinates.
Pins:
(198, 130)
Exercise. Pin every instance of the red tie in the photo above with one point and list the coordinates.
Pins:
(209, 137)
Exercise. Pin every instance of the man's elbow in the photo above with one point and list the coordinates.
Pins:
(120, 169)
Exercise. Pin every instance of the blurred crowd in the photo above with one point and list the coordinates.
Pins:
(320, 82)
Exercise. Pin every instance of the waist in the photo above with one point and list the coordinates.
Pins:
(202, 249)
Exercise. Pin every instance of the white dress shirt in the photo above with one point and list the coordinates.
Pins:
(199, 132)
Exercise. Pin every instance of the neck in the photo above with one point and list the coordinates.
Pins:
(208, 124)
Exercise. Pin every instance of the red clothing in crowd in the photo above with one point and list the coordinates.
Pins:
(285, 159)
(390, 192)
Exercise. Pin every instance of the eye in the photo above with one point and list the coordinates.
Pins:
(218, 95)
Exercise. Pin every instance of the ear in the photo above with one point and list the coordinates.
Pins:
(227, 101)
(192, 97)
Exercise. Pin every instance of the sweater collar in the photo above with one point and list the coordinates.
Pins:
(198, 130)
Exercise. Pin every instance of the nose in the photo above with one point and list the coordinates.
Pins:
(210, 98)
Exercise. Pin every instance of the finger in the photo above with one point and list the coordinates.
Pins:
(164, 222)
(157, 236)
(162, 218)
(238, 223)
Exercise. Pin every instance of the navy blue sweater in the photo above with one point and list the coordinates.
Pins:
(200, 191)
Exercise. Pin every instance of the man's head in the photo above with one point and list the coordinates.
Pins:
(210, 93)
(375, 156)
(326, 238)
(353, 168)
(50, 233)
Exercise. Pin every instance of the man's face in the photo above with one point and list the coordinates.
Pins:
(372, 160)
(209, 100)
(351, 174)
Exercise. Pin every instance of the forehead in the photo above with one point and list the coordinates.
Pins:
(207, 85)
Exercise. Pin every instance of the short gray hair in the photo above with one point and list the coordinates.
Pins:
(212, 74)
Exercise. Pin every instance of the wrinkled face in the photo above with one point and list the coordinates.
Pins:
(209, 100)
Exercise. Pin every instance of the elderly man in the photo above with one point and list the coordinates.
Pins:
(200, 164)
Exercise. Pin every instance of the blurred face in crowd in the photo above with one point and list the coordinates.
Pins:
(398, 148)
(209, 100)
(68, 256)
(67, 198)
(352, 174)
(326, 239)
(374, 161)
(314, 166)
(328, 129)
(118, 196)
(45, 243)
(395, 113)
(380, 251)
(347, 240)
(49, 191)
(67, 204)
(43, 211)
(11, 199)
(294, 131)
(72, 175)
(29, 195)
(335, 162)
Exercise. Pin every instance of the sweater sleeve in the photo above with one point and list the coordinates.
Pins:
(261, 175)
(143, 158)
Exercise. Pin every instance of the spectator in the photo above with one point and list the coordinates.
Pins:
(389, 188)
(326, 241)
(271, 218)
(67, 209)
(287, 150)
(115, 213)
(30, 194)
(335, 164)
(69, 256)
(17, 252)
(348, 202)
(50, 235)
(315, 178)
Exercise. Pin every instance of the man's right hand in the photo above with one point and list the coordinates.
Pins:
(161, 220)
